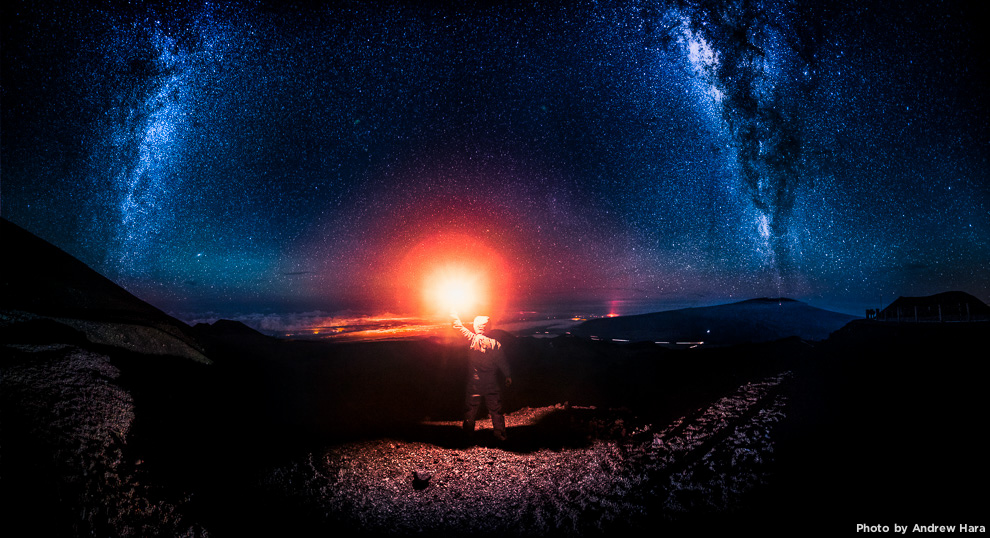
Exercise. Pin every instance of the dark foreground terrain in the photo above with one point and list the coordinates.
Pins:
(881, 423)
(118, 420)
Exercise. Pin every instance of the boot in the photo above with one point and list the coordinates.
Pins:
(467, 433)
(498, 424)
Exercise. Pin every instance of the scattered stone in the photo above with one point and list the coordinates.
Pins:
(421, 479)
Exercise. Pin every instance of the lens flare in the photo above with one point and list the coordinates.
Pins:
(455, 289)
(449, 273)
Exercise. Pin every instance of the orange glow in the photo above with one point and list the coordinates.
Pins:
(368, 328)
(453, 272)
(455, 289)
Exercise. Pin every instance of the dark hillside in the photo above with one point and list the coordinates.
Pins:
(40, 281)
(912, 402)
(40, 278)
(752, 321)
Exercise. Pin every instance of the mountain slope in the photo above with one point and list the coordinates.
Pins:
(755, 320)
(38, 281)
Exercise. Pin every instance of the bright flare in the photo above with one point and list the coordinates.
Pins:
(445, 273)
(455, 289)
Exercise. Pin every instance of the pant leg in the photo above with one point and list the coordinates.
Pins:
(493, 401)
(471, 405)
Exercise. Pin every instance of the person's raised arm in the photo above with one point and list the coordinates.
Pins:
(460, 326)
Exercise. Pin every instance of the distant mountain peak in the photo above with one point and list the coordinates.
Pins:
(227, 327)
(945, 296)
(762, 319)
(770, 300)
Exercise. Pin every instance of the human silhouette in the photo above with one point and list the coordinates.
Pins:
(485, 357)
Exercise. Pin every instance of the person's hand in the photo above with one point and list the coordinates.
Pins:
(508, 382)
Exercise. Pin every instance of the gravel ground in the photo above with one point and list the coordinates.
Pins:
(621, 476)
(66, 469)
(69, 424)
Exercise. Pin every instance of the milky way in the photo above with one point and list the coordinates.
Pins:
(156, 100)
(244, 157)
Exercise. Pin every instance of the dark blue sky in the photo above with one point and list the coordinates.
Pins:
(238, 157)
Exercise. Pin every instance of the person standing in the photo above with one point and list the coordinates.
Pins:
(485, 358)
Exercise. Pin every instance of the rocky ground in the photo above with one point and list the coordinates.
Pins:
(617, 475)
(67, 467)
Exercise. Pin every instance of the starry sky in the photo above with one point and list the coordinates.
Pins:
(252, 156)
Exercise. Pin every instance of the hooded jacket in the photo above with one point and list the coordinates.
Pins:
(485, 357)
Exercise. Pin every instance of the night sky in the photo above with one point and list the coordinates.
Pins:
(240, 157)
